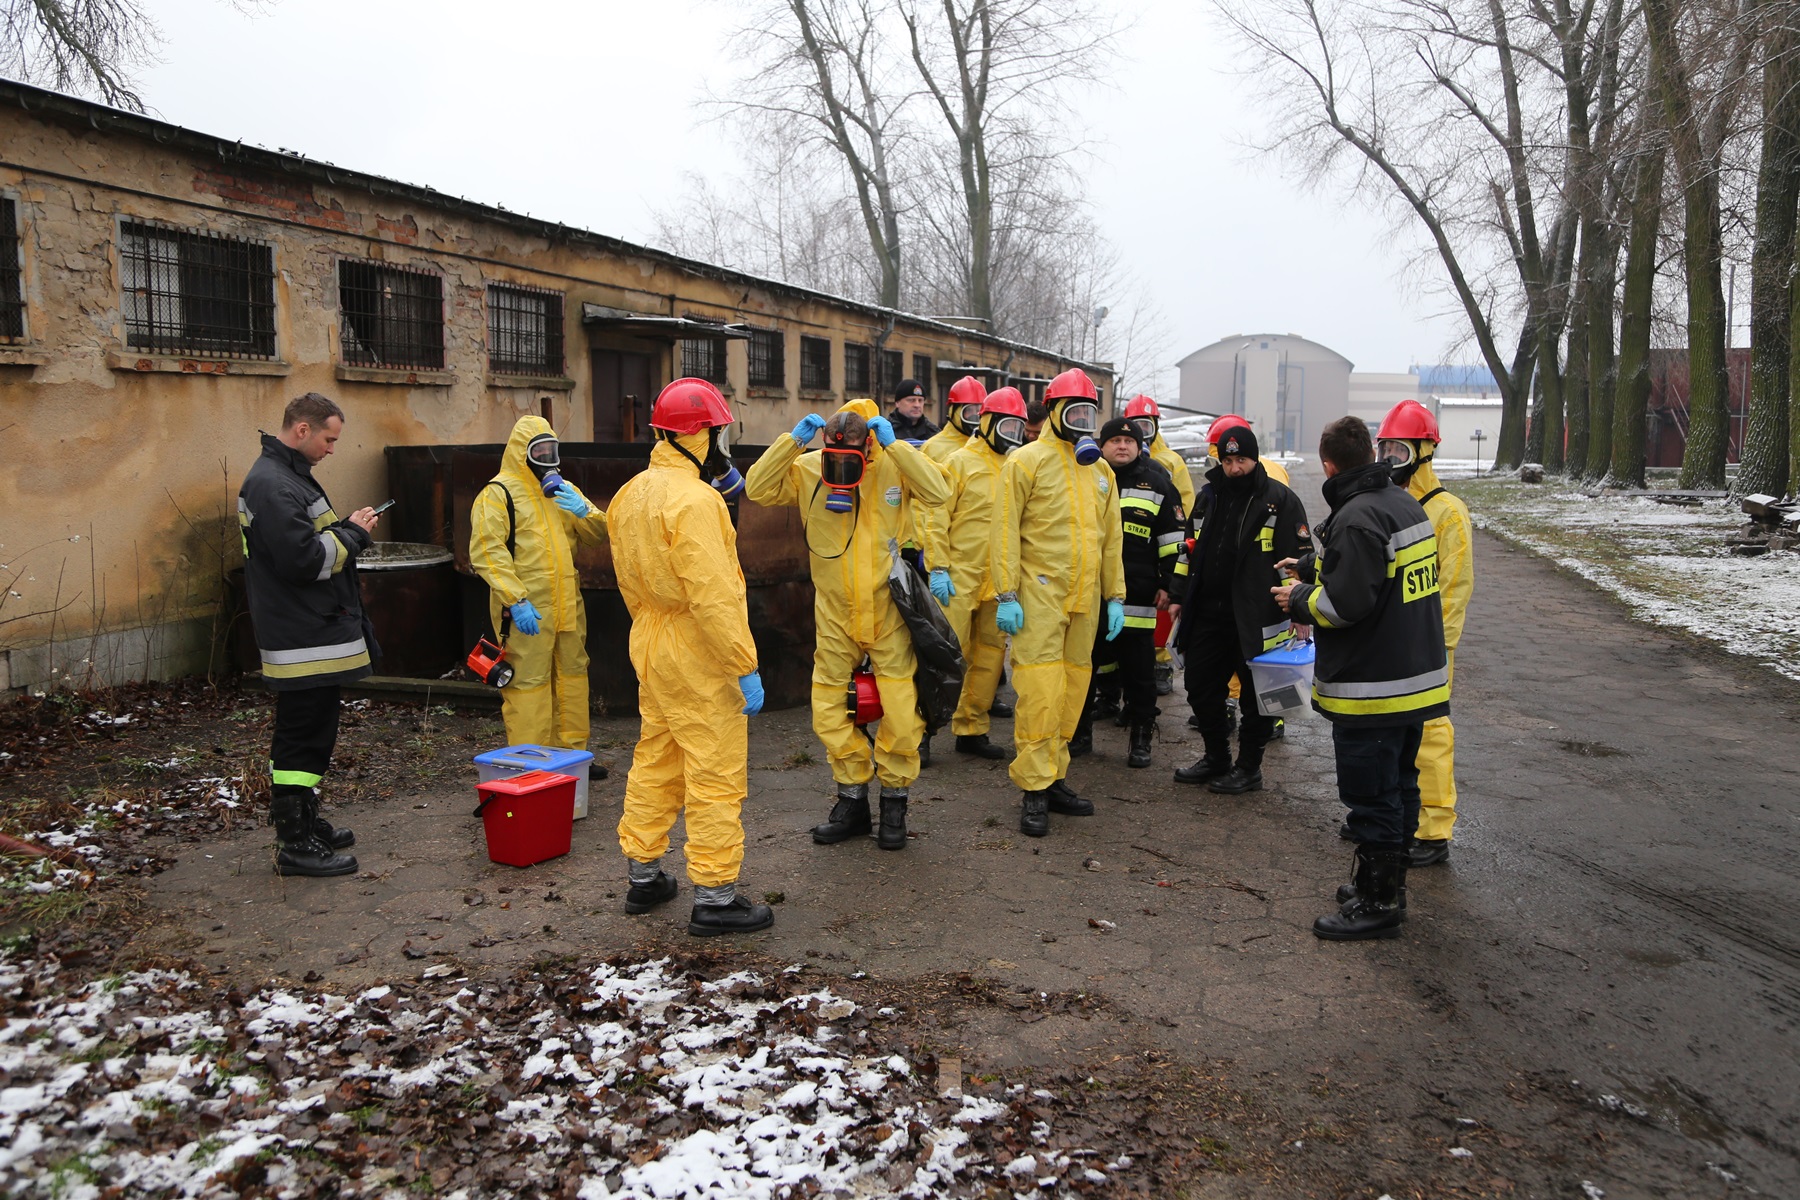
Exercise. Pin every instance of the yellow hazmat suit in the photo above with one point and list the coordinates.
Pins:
(946, 442)
(547, 702)
(1456, 584)
(675, 554)
(1056, 540)
(852, 607)
(957, 538)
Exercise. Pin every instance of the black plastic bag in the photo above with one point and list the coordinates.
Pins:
(938, 677)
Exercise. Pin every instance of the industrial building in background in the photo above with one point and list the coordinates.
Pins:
(162, 291)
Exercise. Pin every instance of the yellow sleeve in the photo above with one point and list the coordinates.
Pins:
(1003, 536)
(487, 546)
(591, 529)
(925, 481)
(703, 553)
(772, 482)
(933, 523)
(1456, 567)
(1112, 544)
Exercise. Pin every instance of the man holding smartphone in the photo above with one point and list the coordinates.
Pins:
(300, 575)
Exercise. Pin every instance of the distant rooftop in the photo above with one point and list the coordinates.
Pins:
(1452, 378)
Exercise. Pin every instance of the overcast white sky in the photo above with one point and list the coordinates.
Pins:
(583, 111)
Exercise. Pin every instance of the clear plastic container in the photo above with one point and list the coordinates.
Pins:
(1283, 680)
(516, 760)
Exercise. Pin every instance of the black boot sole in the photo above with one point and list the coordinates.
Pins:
(832, 839)
(883, 843)
(1134, 761)
(696, 930)
(307, 872)
(1371, 935)
(1428, 854)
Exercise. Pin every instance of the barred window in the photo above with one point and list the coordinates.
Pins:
(856, 369)
(922, 373)
(12, 280)
(815, 363)
(525, 330)
(893, 368)
(703, 358)
(185, 291)
(392, 316)
(768, 358)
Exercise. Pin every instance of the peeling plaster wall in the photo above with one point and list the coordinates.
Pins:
(119, 497)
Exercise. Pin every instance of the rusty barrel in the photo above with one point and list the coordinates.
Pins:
(409, 591)
(439, 484)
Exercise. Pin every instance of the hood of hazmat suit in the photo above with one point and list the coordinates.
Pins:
(1455, 542)
(675, 555)
(1164, 456)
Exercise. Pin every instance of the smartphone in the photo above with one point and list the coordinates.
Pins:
(381, 508)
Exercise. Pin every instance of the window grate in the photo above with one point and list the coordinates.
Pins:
(815, 363)
(893, 370)
(922, 374)
(768, 358)
(392, 316)
(703, 358)
(186, 291)
(12, 278)
(856, 369)
(525, 330)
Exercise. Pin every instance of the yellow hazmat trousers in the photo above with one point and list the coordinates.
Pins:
(852, 608)
(1456, 584)
(1055, 543)
(546, 704)
(675, 554)
(957, 538)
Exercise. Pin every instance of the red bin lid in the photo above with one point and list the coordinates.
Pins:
(523, 785)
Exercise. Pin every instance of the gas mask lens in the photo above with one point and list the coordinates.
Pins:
(1397, 453)
(842, 468)
(968, 416)
(1009, 433)
(1146, 427)
(544, 451)
(1081, 417)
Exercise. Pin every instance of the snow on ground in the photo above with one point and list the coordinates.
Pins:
(634, 1079)
(1667, 562)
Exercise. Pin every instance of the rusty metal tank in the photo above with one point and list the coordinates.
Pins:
(409, 591)
(439, 483)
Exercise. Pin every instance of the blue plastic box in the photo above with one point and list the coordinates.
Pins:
(1283, 680)
(517, 760)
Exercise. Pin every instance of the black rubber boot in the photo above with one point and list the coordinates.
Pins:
(925, 752)
(1345, 832)
(1374, 910)
(1034, 814)
(849, 816)
(1106, 705)
(1064, 800)
(1237, 781)
(642, 897)
(1000, 708)
(337, 839)
(1082, 744)
(740, 916)
(300, 850)
(1194, 721)
(1140, 745)
(892, 834)
(1347, 891)
(1428, 852)
(978, 745)
(1280, 730)
(1205, 769)
(596, 771)
(1165, 678)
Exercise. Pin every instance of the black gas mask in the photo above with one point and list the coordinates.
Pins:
(1402, 458)
(1003, 433)
(717, 468)
(543, 454)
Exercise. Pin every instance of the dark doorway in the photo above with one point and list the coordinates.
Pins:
(622, 394)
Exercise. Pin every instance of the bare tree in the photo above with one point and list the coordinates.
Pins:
(1766, 439)
(1637, 304)
(86, 46)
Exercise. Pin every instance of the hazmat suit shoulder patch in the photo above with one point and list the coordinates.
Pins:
(892, 496)
(1105, 487)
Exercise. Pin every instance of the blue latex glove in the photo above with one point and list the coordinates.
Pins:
(941, 587)
(572, 501)
(883, 429)
(751, 686)
(1010, 616)
(1115, 619)
(525, 616)
(810, 424)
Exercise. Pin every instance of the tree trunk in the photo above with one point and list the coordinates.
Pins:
(1602, 369)
(1575, 375)
(1766, 449)
(1515, 394)
(1632, 401)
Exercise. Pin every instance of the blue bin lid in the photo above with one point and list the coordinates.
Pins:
(1294, 654)
(534, 758)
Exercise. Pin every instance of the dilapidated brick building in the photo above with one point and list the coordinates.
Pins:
(164, 292)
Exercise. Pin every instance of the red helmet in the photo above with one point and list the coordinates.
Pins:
(1072, 384)
(688, 406)
(1006, 401)
(1409, 421)
(1223, 424)
(967, 390)
(1142, 406)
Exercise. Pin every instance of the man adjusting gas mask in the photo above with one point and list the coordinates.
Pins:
(844, 460)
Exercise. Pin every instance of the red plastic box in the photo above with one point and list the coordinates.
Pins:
(529, 818)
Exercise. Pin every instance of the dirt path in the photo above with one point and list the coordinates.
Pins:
(1599, 990)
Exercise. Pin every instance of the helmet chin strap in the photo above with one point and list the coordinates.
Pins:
(675, 441)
